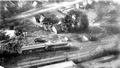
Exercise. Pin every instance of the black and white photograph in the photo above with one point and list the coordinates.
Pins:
(59, 34)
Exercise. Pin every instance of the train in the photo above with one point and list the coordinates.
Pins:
(19, 46)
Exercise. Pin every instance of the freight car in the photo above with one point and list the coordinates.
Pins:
(17, 46)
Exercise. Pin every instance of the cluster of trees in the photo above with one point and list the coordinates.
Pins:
(106, 9)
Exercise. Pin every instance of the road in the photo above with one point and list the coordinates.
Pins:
(47, 8)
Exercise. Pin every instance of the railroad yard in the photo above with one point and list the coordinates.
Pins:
(43, 42)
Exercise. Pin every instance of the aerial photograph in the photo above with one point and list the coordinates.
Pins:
(59, 34)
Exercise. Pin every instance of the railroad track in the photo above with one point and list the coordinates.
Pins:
(74, 56)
